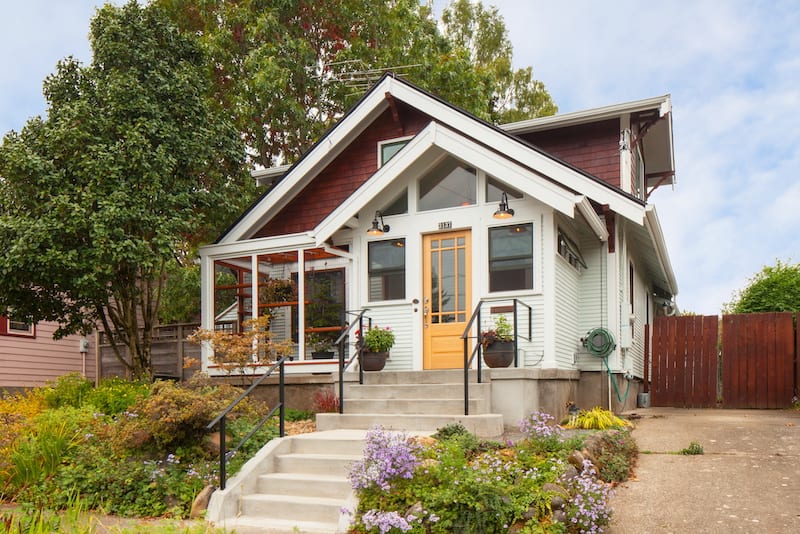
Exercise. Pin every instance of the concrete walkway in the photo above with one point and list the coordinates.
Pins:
(748, 480)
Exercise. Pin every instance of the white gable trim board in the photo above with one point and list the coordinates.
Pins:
(373, 104)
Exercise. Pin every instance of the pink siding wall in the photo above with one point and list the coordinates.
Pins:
(29, 362)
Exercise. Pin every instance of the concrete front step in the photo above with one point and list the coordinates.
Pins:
(315, 464)
(394, 406)
(438, 376)
(316, 485)
(415, 391)
(260, 525)
(339, 442)
(292, 507)
(483, 425)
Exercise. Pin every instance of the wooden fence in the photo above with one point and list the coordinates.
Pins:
(170, 353)
(752, 365)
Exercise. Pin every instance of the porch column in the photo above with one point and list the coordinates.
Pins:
(301, 304)
(206, 304)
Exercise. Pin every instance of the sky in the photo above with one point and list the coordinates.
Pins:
(732, 69)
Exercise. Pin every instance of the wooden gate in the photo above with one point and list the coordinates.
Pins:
(685, 361)
(757, 355)
(758, 360)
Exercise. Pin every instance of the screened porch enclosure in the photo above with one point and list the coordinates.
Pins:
(311, 322)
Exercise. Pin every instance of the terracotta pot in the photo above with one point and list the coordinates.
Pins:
(373, 361)
(499, 354)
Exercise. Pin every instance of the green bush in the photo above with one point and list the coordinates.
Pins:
(176, 415)
(614, 453)
(115, 395)
(70, 389)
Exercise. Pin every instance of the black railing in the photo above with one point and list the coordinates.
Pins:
(341, 343)
(225, 455)
(477, 351)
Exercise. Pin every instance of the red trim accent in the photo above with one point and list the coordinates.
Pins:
(5, 329)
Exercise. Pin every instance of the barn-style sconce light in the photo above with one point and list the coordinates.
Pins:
(378, 228)
(503, 212)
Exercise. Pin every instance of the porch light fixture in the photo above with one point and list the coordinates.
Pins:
(503, 212)
(378, 228)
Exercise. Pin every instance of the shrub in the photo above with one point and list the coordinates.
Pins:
(614, 453)
(325, 401)
(70, 389)
(176, 416)
(17, 415)
(115, 395)
(597, 419)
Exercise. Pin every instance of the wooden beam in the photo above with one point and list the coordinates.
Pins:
(395, 113)
(608, 215)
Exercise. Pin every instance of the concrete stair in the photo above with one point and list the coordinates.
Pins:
(301, 487)
(415, 400)
(299, 484)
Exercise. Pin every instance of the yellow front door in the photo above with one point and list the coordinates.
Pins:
(447, 282)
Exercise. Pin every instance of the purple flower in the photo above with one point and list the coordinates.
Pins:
(387, 456)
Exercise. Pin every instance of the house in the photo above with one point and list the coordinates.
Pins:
(30, 357)
(424, 215)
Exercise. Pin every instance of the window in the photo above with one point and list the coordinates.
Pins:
(568, 250)
(495, 189)
(399, 206)
(13, 327)
(387, 149)
(631, 282)
(387, 269)
(449, 184)
(511, 257)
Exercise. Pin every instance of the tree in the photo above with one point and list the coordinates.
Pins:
(130, 165)
(481, 32)
(287, 70)
(773, 289)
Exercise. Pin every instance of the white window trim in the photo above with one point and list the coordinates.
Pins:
(9, 331)
(390, 142)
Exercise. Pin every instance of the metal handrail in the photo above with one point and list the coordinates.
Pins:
(478, 350)
(343, 364)
(222, 417)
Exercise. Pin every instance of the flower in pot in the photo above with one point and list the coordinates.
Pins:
(375, 344)
(321, 345)
(498, 343)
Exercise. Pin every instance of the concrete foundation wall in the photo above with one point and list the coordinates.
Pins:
(518, 392)
(299, 389)
(594, 391)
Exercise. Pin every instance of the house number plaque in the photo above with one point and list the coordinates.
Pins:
(445, 225)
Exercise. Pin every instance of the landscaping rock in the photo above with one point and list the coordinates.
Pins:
(200, 503)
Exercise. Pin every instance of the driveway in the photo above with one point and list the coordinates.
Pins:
(748, 479)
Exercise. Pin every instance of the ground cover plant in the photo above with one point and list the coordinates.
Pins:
(125, 448)
(452, 482)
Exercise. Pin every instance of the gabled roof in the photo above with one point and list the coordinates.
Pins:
(507, 148)
(654, 113)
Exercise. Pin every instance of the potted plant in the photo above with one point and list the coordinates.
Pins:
(321, 345)
(498, 343)
(375, 344)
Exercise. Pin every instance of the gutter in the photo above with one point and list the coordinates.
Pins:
(653, 227)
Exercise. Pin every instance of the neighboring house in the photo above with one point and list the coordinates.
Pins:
(29, 356)
(583, 248)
